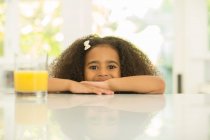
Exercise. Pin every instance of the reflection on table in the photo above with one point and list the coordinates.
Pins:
(30, 119)
(106, 117)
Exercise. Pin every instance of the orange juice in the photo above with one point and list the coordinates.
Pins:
(30, 81)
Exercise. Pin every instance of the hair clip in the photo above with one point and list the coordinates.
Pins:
(87, 45)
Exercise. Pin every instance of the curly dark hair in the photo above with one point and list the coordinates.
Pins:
(70, 64)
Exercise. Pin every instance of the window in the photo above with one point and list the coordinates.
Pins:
(37, 25)
(40, 23)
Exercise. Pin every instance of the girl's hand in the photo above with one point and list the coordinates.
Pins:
(83, 87)
(102, 84)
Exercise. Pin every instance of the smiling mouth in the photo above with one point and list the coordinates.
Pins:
(102, 79)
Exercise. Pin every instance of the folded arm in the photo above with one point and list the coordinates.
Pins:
(140, 84)
(57, 84)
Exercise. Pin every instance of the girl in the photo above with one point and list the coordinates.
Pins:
(103, 66)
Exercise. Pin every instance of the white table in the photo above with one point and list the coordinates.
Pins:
(105, 117)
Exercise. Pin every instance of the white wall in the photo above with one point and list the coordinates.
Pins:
(191, 43)
(11, 40)
(77, 19)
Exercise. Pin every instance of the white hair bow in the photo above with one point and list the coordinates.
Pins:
(87, 45)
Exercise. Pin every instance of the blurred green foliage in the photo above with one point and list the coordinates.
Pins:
(43, 34)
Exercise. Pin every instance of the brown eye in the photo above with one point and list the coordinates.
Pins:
(112, 67)
(93, 67)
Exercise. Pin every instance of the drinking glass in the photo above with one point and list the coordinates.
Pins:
(31, 75)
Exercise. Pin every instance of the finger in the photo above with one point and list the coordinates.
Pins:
(97, 91)
(100, 91)
(108, 92)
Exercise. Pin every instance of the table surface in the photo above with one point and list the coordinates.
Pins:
(106, 117)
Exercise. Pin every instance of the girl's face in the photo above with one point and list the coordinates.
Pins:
(102, 63)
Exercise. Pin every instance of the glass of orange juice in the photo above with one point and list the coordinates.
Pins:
(31, 75)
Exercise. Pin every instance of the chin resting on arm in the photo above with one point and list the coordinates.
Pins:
(139, 84)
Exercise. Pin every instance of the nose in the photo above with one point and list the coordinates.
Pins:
(103, 72)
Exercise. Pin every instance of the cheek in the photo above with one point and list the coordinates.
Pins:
(117, 74)
(88, 75)
(85, 75)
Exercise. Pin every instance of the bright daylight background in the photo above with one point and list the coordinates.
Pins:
(173, 33)
(50, 25)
